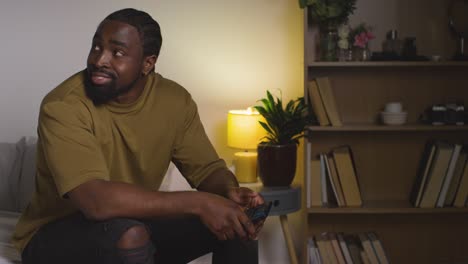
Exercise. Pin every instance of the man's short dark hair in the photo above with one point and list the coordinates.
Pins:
(147, 27)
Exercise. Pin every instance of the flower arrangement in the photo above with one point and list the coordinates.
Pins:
(329, 12)
(343, 36)
(361, 35)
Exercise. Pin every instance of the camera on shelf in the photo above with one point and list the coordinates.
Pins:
(445, 114)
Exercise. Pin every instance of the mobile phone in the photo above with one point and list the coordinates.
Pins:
(258, 213)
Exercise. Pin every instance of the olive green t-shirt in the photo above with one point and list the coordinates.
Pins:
(131, 143)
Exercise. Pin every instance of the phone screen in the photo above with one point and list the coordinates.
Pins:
(259, 213)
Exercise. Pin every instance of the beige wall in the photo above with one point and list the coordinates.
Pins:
(226, 53)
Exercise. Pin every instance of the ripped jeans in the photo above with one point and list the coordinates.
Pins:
(75, 239)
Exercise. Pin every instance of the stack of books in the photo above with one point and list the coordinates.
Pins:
(322, 102)
(442, 180)
(332, 180)
(331, 247)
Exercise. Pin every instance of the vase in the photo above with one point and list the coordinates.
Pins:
(328, 44)
(276, 164)
(345, 55)
(361, 54)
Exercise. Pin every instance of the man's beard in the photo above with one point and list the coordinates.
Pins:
(101, 94)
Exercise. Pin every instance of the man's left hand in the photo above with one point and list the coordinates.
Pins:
(247, 198)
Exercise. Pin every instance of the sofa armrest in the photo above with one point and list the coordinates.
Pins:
(11, 156)
(27, 178)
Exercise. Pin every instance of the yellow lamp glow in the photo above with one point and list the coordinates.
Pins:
(244, 132)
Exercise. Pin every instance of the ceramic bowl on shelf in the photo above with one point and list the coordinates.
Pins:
(394, 118)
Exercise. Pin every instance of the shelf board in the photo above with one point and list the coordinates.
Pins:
(337, 64)
(386, 207)
(376, 127)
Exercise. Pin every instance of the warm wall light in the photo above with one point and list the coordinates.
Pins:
(244, 132)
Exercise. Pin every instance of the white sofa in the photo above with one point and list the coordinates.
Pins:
(17, 171)
(17, 174)
(17, 168)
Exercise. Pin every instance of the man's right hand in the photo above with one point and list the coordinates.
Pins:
(225, 218)
(101, 200)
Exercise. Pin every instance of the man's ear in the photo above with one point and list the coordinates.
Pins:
(148, 64)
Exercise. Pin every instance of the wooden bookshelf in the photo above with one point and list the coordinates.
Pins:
(397, 128)
(386, 207)
(387, 158)
(325, 64)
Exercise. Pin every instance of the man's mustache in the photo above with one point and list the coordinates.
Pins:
(103, 71)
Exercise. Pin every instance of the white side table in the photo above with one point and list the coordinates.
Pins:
(285, 200)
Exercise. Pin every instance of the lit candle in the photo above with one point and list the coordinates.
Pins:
(245, 132)
(246, 166)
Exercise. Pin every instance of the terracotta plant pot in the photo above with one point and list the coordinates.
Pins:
(276, 164)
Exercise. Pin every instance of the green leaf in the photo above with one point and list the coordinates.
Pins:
(284, 125)
(302, 3)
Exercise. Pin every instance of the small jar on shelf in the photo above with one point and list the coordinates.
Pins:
(328, 44)
(361, 54)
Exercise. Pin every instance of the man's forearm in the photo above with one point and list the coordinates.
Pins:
(101, 200)
(219, 182)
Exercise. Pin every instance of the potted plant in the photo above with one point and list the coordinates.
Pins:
(329, 12)
(329, 15)
(277, 153)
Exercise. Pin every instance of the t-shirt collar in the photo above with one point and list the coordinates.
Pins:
(136, 105)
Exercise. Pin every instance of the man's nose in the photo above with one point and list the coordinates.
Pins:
(103, 59)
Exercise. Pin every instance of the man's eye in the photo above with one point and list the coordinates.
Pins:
(119, 53)
(96, 48)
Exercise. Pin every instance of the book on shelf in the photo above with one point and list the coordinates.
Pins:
(457, 176)
(336, 247)
(354, 247)
(423, 172)
(312, 250)
(344, 248)
(322, 249)
(328, 196)
(323, 183)
(365, 257)
(308, 174)
(336, 181)
(378, 247)
(344, 163)
(448, 175)
(325, 249)
(329, 101)
(329, 245)
(435, 178)
(316, 103)
(462, 192)
(333, 180)
(315, 186)
(368, 248)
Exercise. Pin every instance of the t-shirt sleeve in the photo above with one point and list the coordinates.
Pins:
(69, 146)
(194, 155)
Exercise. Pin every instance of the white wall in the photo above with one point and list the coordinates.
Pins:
(226, 53)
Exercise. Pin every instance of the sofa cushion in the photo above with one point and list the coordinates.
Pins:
(174, 181)
(11, 156)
